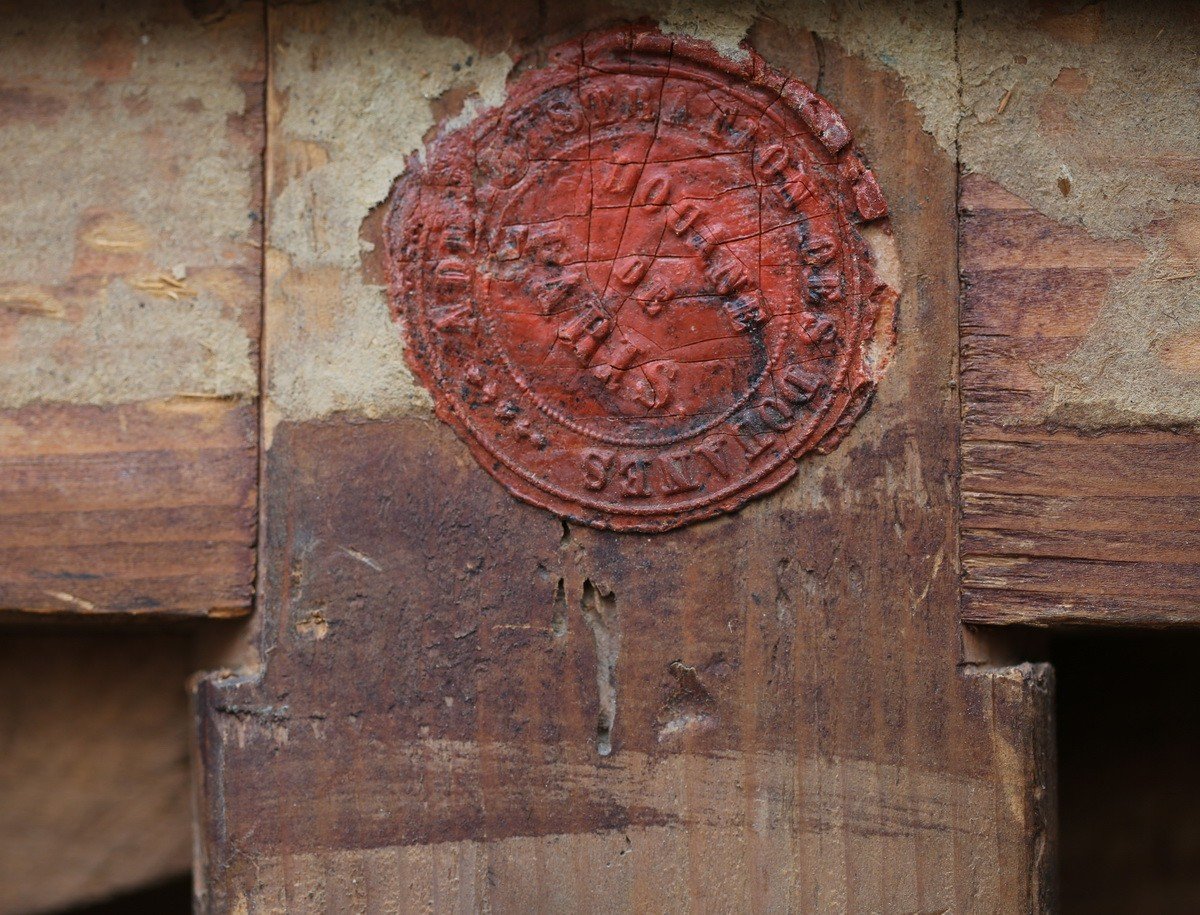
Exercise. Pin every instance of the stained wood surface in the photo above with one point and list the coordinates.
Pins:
(467, 705)
(130, 295)
(463, 703)
(1061, 526)
(1080, 327)
(135, 508)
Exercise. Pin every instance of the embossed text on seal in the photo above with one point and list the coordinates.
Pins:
(638, 290)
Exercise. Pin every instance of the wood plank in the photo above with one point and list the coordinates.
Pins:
(1080, 452)
(130, 290)
(94, 784)
(132, 508)
(434, 722)
(1060, 526)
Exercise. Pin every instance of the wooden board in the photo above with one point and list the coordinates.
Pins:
(130, 289)
(467, 705)
(131, 508)
(1081, 462)
(1060, 526)
(94, 784)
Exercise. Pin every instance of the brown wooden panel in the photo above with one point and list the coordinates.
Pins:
(466, 704)
(94, 795)
(1080, 278)
(130, 289)
(132, 508)
(1060, 525)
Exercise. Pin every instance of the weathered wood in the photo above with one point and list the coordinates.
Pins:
(130, 288)
(1081, 274)
(466, 704)
(1060, 525)
(94, 784)
(131, 508)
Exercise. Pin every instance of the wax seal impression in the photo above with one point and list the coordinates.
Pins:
(638, 290)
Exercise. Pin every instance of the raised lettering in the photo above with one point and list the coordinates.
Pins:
(620, 358)
(550, 296)
(623, 178)
(456, 239)
(585, 331)
(747, 312)
(797, 385)
(640, 105)
(452, 275)
(624, 355)
(826, 286)
(819, 249)
(596, 467)
(728, 277)
(773, 160)
(601, 106)
(776, 414)
(512, 243)
(656, 192)
(547, 243)
(752, 437)
(635, 478)
(796, 192)
(869, 198)
(564, 117)
(453, 317)
(816, 328)
(503, 164)
(632, 272)
(678, 475)
(656, 298)
(720, 125)
(682, 218)
(654, 391)
(713, 451)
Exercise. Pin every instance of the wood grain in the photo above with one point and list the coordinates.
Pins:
(467, 705)
(1060, 526)
(138, 508)
(130, 298)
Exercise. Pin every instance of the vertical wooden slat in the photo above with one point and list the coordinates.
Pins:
(424, 730)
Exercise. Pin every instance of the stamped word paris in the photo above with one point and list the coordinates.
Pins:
(639, 290)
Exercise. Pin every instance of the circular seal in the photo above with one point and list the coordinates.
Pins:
(638, 290)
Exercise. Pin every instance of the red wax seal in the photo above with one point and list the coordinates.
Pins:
(638, 290)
